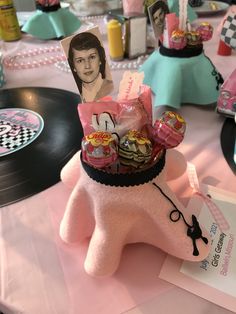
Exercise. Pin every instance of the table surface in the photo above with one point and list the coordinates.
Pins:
(40, 274)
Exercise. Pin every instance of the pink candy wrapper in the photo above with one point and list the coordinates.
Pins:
(99, 149)
(168, 131)
(178, 40)
(117, 117)
(205, 30)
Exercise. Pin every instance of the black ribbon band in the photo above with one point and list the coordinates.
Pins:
(186, 52)
(48, 8)
(127, 179)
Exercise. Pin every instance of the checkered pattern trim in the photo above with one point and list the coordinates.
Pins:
(17, 137)
(228, 32)
(213, 208)
(215, 212)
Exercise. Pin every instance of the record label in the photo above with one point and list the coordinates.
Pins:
(18, 128)
(40, 131)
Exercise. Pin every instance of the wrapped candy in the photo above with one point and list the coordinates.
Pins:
(168, 131)
(205, 30)
(135, 150)
(99, 149)
(178, 40)
(116, 117)
(193, 38)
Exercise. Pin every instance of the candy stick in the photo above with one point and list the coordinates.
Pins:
(171, 23)
(183, 14)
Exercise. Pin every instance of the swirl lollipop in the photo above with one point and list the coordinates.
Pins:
(193, 38)
(134, 149)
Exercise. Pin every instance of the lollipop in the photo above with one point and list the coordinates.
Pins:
(193, 38)
(134, 149)
(99, 149)
(205, 30)
(178, 40)
(169, 130)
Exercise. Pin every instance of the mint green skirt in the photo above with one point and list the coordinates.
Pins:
(50, 25)
(181, 80)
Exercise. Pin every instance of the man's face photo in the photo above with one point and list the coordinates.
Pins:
(159, 18)
(87, 64)
(157, 12)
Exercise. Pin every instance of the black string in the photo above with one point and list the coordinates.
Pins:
(218, 76)
(193, 231)
(180, 214)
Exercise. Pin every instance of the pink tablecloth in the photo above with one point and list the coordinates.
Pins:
(39, 274)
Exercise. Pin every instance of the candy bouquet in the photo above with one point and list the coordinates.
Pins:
(179, 71)
(136, 149)
(119, 191)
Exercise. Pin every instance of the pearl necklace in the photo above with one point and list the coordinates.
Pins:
(131, 65)
(14, 62)
(59, 60)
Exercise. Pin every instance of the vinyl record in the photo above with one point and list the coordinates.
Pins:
(40, 131)
(228, 138)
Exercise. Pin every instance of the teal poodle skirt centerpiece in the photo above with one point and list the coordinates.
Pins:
(50, 25)
(183, 76)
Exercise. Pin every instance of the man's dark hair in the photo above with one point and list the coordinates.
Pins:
(159, 5)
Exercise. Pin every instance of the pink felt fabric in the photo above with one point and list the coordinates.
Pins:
(132, 284)
(115, 216)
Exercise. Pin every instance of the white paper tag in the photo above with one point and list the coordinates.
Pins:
(130, 85)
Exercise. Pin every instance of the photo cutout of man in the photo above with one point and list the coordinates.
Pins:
(87, 59)
(157, 12)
